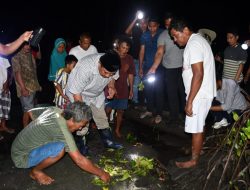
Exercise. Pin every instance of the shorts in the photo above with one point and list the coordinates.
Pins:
(43, 152)
(120, 104)
(196, 123)
(27, 101)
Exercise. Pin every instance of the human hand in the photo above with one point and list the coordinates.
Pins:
(26, 35)
(151, 70)
(25, 92)
(141, 73)
(105, 177)
(189, 109)
(111, 92)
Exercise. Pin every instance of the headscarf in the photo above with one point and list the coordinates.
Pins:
(57, 60)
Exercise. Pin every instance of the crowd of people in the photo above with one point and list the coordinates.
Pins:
(88, 85)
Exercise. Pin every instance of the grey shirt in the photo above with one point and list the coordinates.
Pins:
(173, 56)
(230, 96)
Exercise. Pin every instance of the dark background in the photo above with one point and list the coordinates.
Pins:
(106, 18)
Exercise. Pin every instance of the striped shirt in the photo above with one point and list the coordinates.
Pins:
(233, 58)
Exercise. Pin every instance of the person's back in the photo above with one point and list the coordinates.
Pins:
(50, 126)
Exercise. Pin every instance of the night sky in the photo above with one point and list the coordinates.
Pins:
(104, 19)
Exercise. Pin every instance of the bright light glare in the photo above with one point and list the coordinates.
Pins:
(140, 15)
(244, 46)
(133, 156)
(137, 24)
(151, 79)
(114, 44)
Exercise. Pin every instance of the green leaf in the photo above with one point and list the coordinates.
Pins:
(235, 116)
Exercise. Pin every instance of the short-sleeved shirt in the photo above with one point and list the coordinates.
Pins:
(121, 84)
(61, 79)
(48, 127)
(80, 53)
(173, 56)
(150, 43)
(86, 80)
(198, 50)
(233, 57)
(25, 64)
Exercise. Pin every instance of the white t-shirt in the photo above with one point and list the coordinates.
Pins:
(198, 50)
(80, 53)
(4, 64)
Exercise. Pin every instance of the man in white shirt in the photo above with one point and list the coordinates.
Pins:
(199, 81)
(84, 48)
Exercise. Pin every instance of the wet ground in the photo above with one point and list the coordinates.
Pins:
(163, 142)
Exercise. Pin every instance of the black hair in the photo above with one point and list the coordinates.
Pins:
(78, 111)
(233, 30)
(69, 59)
(111, 61)
(168, 15)
(124, 38)
(179, 24)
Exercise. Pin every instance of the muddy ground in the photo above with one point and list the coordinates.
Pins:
(163, 142)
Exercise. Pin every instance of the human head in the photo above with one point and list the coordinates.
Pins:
(143, 23)
(26, 47)
(85, 41)
(232, 36)
(60, 45)
(153, 25)
(124, 44)
(168, 16)
(180, 30)
(78, 113)
(109, 63)
(70, 61)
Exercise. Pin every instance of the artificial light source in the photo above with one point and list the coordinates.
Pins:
(150, 77)
(244, 46)
(140, 15)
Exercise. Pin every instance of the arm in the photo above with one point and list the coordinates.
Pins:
(131, 82)
(141, 59)
(196, 82)
(86, 165)
(128, 30)
(59, 88)
(157, 60)
(247, 75)
(111, 89)
(24, 91)
(10, 48)
(239, 71)
(216, 108)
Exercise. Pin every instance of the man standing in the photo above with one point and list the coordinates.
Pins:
(84, 48)
(44, 142)
(86, 83)
(199, 81)
(171, 56)
(25, 74)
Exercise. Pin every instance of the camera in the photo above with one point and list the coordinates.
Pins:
(36, 37)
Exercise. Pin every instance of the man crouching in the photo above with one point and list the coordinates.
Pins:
(46, 139)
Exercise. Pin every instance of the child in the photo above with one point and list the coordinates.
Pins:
(60, 82)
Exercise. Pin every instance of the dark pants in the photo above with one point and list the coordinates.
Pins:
(154, 93)
(219, 115)
(175, 91)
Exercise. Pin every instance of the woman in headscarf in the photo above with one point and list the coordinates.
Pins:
(57, 58)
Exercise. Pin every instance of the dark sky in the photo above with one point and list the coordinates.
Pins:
(105, 18)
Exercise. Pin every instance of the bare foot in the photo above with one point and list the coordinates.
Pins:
(118, 134)
(187, 164)
(41, 177)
